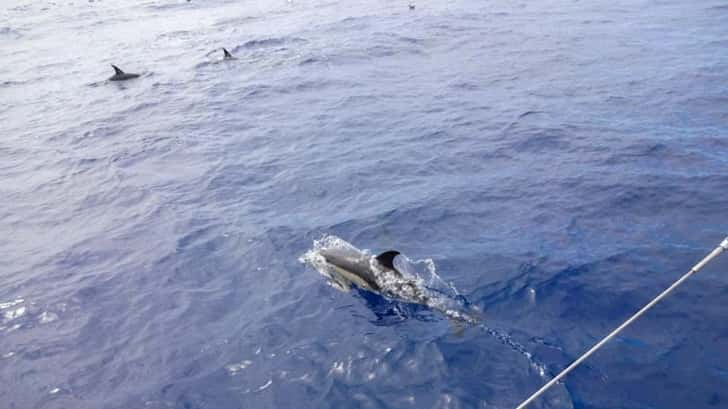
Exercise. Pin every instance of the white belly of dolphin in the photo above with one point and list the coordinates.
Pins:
(351, 278)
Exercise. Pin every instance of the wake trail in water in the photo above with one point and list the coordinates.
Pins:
(505, 339)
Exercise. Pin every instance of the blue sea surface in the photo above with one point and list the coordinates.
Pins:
(560, 162)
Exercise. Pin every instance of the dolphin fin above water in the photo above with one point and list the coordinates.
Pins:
(120, 75)
(226, 54)
(386, 259)
(117, 70)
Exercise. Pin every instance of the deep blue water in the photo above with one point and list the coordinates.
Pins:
(560, 161)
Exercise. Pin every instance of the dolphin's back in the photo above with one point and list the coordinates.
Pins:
(352, 262)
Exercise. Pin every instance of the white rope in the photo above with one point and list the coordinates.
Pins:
(723, 246)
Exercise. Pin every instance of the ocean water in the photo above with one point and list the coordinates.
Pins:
(559, 162)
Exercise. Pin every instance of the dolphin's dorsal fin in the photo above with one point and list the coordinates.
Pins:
(117, 70)
(386, 259)
(227, 53)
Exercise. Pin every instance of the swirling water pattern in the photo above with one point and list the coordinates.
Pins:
(560, 161)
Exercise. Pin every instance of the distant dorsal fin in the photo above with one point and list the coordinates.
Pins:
(117, 70)
(386, 259)
(227, 53)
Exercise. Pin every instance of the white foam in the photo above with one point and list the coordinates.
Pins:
(5, 305)
(267, 384)
(14, 314)
(47, 317)
(337, 367)
(233, 369)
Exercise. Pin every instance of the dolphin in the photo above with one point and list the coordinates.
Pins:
(378, 274)
(349, 267)
(120, 75)
(353, 267)
(227, 55)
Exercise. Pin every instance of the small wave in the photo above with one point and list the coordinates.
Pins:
(271, 42)
(530, 113)
(11, 83)
(237, 21)
(256, 90)
(175, 35)
(465, 86)
(391, 37)
(411, 40)
(350, 23)
(313, 60)
(169, 6)
(7, 32)
(204, 64)
(382, 51)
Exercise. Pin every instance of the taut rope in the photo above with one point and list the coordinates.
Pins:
(723, 246)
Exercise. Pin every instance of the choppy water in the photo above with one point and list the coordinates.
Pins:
(560, 161)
